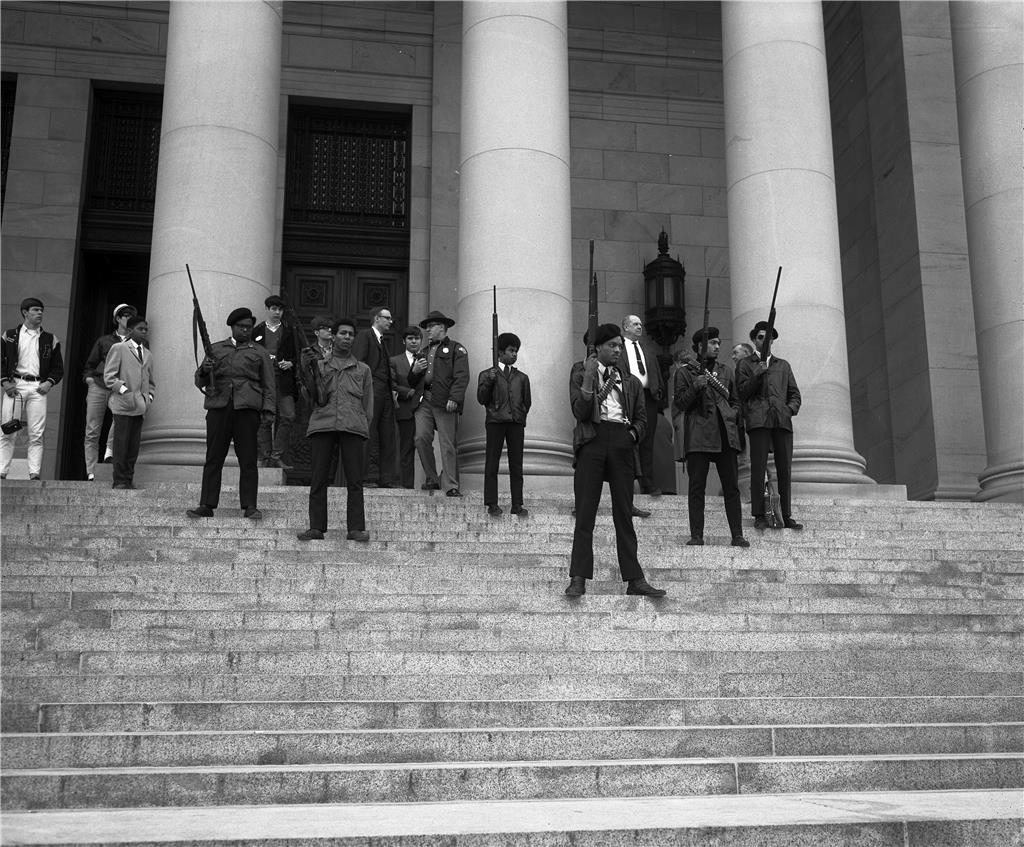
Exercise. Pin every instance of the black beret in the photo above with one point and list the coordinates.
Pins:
(240, 314)
(275, 300)
(698, 336)
(29, 302)
(763, 325)
(606, 332)
(509, 339)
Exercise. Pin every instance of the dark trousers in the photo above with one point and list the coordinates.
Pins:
(380, 449)
(127, 435)
(274, 437)
(781, 443)
(407, 452)
(224, 426)
(697, 465)
(646, 447)
(609, 457)
(513, 435)
(324, 446)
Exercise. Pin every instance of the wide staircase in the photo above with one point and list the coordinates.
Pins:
(219, 682)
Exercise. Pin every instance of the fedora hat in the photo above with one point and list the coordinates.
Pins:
(437, 317)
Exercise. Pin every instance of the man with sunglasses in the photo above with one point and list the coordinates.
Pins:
(771, 399)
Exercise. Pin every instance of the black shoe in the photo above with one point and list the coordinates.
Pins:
(494, 511)
(789, 523)
(695, 541)
(430, 486)
(760, 522)
(577, 586)
(358, 535)
(522, 511)
(34, 476)
(453, 492)
(740, 541)
(653, 492)
(639, 513)
(642, 587)
(253, 514)
(310, 535)
(277, 462)
(123, 486)
(200, 512)
(573, 512)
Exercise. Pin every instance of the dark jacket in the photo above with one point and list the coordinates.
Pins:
(243, 378)
(98, 355)
(286, 352)
(451, 375)
(587, 410)
(366, 349)
(51, 363)
(703, 409)
(505, 396)
(770, 400)
(408, 397)
(348, 389)
(655, 384)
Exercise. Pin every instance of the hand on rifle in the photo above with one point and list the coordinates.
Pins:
(268, 415)
(761, 369)
(309, 355)
(701, 380)
(207, 365)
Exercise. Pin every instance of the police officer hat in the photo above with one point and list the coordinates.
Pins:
(509, 339)
(437, 317)
(698, 336)
(240, 314)
(762, 326)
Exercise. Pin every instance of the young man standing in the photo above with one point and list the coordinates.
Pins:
(242, 392)
(128, 376)
(99, 394)
(31, 365)
(278, 338)
(341, 425)
(408, 362)
(504, 392)
(371, 347)
(610, 421)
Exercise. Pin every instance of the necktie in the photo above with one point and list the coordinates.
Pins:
(639, 359)
(609, 384)
(138, 352)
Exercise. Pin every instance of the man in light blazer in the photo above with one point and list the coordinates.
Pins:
(128, 373)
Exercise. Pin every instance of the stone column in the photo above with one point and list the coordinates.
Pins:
(782, 211)
(514, 215)
(988, 69)
(215, 200)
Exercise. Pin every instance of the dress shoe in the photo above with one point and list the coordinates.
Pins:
(33, 476)
(108, 459)
(273, 462)
(310, 535)
(639, 513)
(453, 492)
(494, 511)
(577, 586)
(90, 477)
(122, 486)
(789, 523)
(653, 492)
(695, 541)
(740, 541)
(760, 522)
(200, 512)
(642, 587)
(253, 514)
(522, 511)
(430, 486)
(358, 535)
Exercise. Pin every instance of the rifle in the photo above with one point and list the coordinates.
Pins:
(494, 328)
(310, 377)
(701, 368)
(199, 327)
(766, 347)
(592, 313)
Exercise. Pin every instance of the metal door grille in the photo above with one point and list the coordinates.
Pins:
(8, 92)
(124, 151)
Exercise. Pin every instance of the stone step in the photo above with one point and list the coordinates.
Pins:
(882, 819)
(430, 639)
(52, 788)
(30, 623)
(25, 690)
(497, 744)
(414, 714)
(358, 659)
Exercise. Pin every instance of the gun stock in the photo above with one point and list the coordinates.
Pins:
(310, 373)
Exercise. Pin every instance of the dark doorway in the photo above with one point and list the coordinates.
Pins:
(105, 280)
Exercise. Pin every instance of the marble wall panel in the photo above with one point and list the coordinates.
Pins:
(602, 135)
(636, 167)
(639, 227)
(595, 75)
(377, 57)
(587, 163)
(671, 82)
(706, 231)
(604, 194)
(694, 170)
(672, 199)
(304, 51)
(19, 254)
(661, 138)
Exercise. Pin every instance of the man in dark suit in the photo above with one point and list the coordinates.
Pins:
(610, 420)
(638, 360)
(407, 399)
(371, 347)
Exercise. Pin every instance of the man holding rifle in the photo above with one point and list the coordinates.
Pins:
(771, 399)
